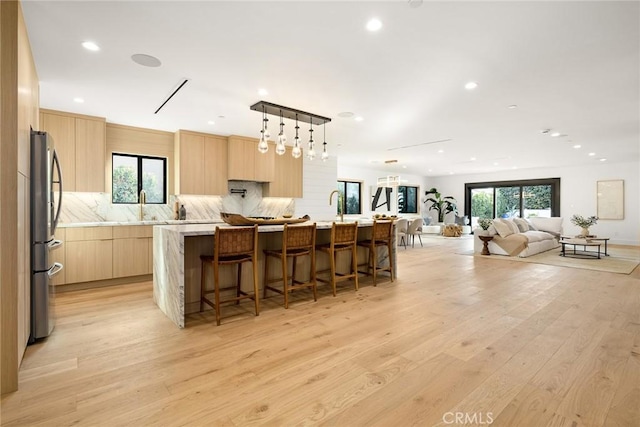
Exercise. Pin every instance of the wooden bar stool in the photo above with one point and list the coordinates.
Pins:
(235, 245)
(381, 235)
(297, 241)
(343, 238)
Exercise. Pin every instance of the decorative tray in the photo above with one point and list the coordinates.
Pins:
(237, 219)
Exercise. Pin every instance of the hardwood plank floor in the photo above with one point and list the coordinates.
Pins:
(455, 340)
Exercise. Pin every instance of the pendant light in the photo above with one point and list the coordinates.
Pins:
(325, 155)
(280, 148)
(297, 151)
(263, 146)
(311, 154)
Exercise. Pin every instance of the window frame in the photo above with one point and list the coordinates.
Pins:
(140, 158)
(344, 198)
(553, 182)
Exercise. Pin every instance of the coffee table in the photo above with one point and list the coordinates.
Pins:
(580, 242)
(597, 239)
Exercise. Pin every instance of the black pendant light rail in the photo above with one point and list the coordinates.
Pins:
(289, 113)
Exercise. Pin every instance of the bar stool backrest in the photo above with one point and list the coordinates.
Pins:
(299, 237)
(402, 225)
(235, 241)
(342, 234)
(382, 230)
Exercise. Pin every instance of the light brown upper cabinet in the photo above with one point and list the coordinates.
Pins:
(201, 163)
(287, 179)
(80, 142)
(246, 163)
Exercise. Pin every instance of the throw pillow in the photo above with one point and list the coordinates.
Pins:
(551, 225)
(502, 228)
(522, 224)
(512, 225)
(531, 226)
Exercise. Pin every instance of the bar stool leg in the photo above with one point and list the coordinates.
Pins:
(266, 276)
(202, 284)
(239, 284)
(373, 255)
(216, 288)
(312, 275)
(256, 298)
(354, 264)
(332, 261)
(285, 282)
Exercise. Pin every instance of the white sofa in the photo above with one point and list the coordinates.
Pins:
(519, 237)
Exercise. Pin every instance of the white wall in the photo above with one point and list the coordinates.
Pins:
(577, 194)
(370, 179)
(319, 180)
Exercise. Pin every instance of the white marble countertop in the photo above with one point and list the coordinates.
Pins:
(146, 222)
(208, 229)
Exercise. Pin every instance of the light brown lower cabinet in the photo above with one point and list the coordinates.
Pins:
(102, 253)
(89, 260)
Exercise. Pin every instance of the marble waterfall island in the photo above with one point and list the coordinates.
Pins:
(176, 261)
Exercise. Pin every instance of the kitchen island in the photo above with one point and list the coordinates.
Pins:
(176, 261)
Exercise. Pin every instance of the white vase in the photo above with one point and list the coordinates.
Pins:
(584, 232)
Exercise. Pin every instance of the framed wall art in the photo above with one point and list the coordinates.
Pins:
(611, 199)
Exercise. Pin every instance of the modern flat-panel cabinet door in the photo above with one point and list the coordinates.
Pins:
(215, 165)
(62, 129)
(287, 177)
(90, 154)
(131, 250)
(88, 254)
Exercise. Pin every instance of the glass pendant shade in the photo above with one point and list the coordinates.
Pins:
(297, 151)
(280, 148)
(311, 154)
(263, 147)
(325, 155)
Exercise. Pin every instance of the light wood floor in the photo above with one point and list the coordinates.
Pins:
(455, 336)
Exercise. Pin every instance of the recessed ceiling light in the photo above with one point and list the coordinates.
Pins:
(358, 119)
(577, 146)
(450, 173)
(404, 166)
(473, 159)
(555, 134)
(91, 46)
(592, 154)
(440, 151)
(471, 85)
(345, 114)
(78, 100)
(263, 92)
(512, 106)
(211, 122)
(415, 3)
(495, 163)
(374, 24)
(430, 170)
(545, 131)
(146, 60)
(603, 160)
(514, 167)
(221, 117)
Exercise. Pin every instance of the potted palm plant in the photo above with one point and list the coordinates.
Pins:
(442, 205)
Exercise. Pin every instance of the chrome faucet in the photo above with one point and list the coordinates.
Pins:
(339, 201)
(143, 200)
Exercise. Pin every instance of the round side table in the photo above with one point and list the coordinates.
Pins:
(485, 241)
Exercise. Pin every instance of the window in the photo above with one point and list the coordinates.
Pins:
(352, 191)
(132, 174)
(508, 199)
(407, 199)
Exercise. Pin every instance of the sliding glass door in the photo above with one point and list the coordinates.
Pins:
(509, 199)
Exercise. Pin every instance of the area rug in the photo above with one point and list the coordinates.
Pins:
(621, 260)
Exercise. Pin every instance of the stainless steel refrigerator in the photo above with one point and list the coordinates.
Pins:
(46, 176)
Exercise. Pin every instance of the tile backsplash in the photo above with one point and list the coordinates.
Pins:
(246, 199)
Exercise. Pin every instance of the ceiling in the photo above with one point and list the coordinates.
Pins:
(572, 67)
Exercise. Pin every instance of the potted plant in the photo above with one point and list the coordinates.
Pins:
(484, 223)
(442, 205)
(584, 223)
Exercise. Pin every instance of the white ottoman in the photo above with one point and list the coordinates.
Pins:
(431, 229)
